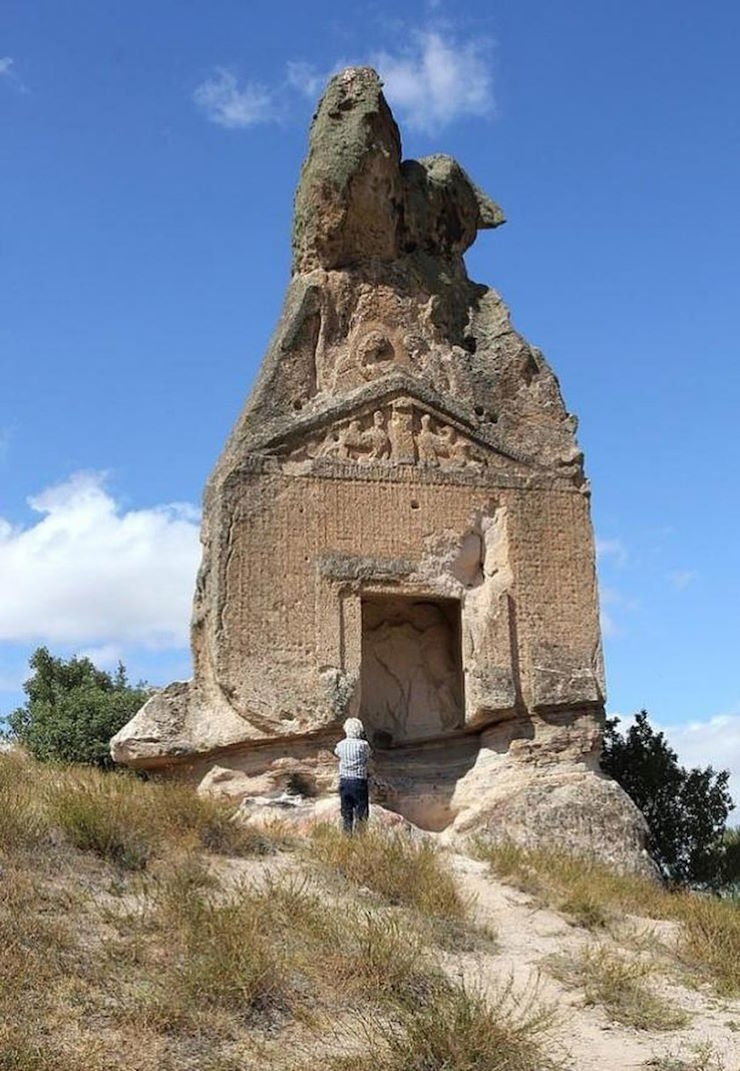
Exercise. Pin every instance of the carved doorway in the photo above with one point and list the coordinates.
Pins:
(411, 671)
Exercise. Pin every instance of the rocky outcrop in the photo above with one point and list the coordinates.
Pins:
(398, 527)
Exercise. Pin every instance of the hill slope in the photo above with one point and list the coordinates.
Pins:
(142, 929)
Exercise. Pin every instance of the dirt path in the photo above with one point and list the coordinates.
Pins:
(528, 934)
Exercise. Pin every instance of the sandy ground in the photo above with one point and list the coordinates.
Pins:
(528, 934)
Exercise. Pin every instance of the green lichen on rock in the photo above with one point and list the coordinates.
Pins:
(356, 200)
(349, 192)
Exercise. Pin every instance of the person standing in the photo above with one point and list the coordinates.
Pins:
(354, 755)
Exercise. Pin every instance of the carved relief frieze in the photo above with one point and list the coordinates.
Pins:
(399, 433)
(441, 445)
(357, 440)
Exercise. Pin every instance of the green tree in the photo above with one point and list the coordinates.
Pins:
(731, 845)
(72, 709)
(686, 810)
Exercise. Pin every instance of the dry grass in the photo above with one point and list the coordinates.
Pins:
(712, 939)
(39, 954)
(619, 985)
(703, 1057)
(127, 948)
(122, 950)
(24, 824)
(199, 956)
(397, 868)
(597, 897)
(219, 955)
(177, 963)
(17, 1053)
(33, 936)
(99, 817)
(121, 818)
(408, 874)
(78, 847)
(128, 821)
(456, 1029)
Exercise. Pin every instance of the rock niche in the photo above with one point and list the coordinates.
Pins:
(398, 528)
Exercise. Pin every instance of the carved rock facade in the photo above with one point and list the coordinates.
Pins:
(398, 528)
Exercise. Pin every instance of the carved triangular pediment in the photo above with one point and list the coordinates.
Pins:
(395, 428)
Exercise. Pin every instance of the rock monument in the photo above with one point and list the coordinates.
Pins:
(398, 528)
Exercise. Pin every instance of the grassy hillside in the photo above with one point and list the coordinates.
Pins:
(141, 929)
(594, 897)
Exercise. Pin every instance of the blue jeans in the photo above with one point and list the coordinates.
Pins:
(353, 801)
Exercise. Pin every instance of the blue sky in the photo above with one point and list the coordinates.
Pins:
(150, 154)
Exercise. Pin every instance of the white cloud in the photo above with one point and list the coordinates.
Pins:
(610, 597)
(430, 82)
(435, 80)
(305, 78)
(224, 102)
(681, 578)
(88, 572)
(106, 656)
(613, 549)
(714, 742)
(8, 74)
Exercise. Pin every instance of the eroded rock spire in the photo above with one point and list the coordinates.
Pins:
(398, 527)
(356, 200)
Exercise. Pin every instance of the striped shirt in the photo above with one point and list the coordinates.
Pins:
(353, 754)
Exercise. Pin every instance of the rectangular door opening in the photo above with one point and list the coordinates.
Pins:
(411, 670)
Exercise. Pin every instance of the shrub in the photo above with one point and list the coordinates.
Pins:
(731, 865)
(73, 709)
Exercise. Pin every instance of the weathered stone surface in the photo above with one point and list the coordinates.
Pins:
(356, 199)
(398, 526)
(296, 813)
(565, 807)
